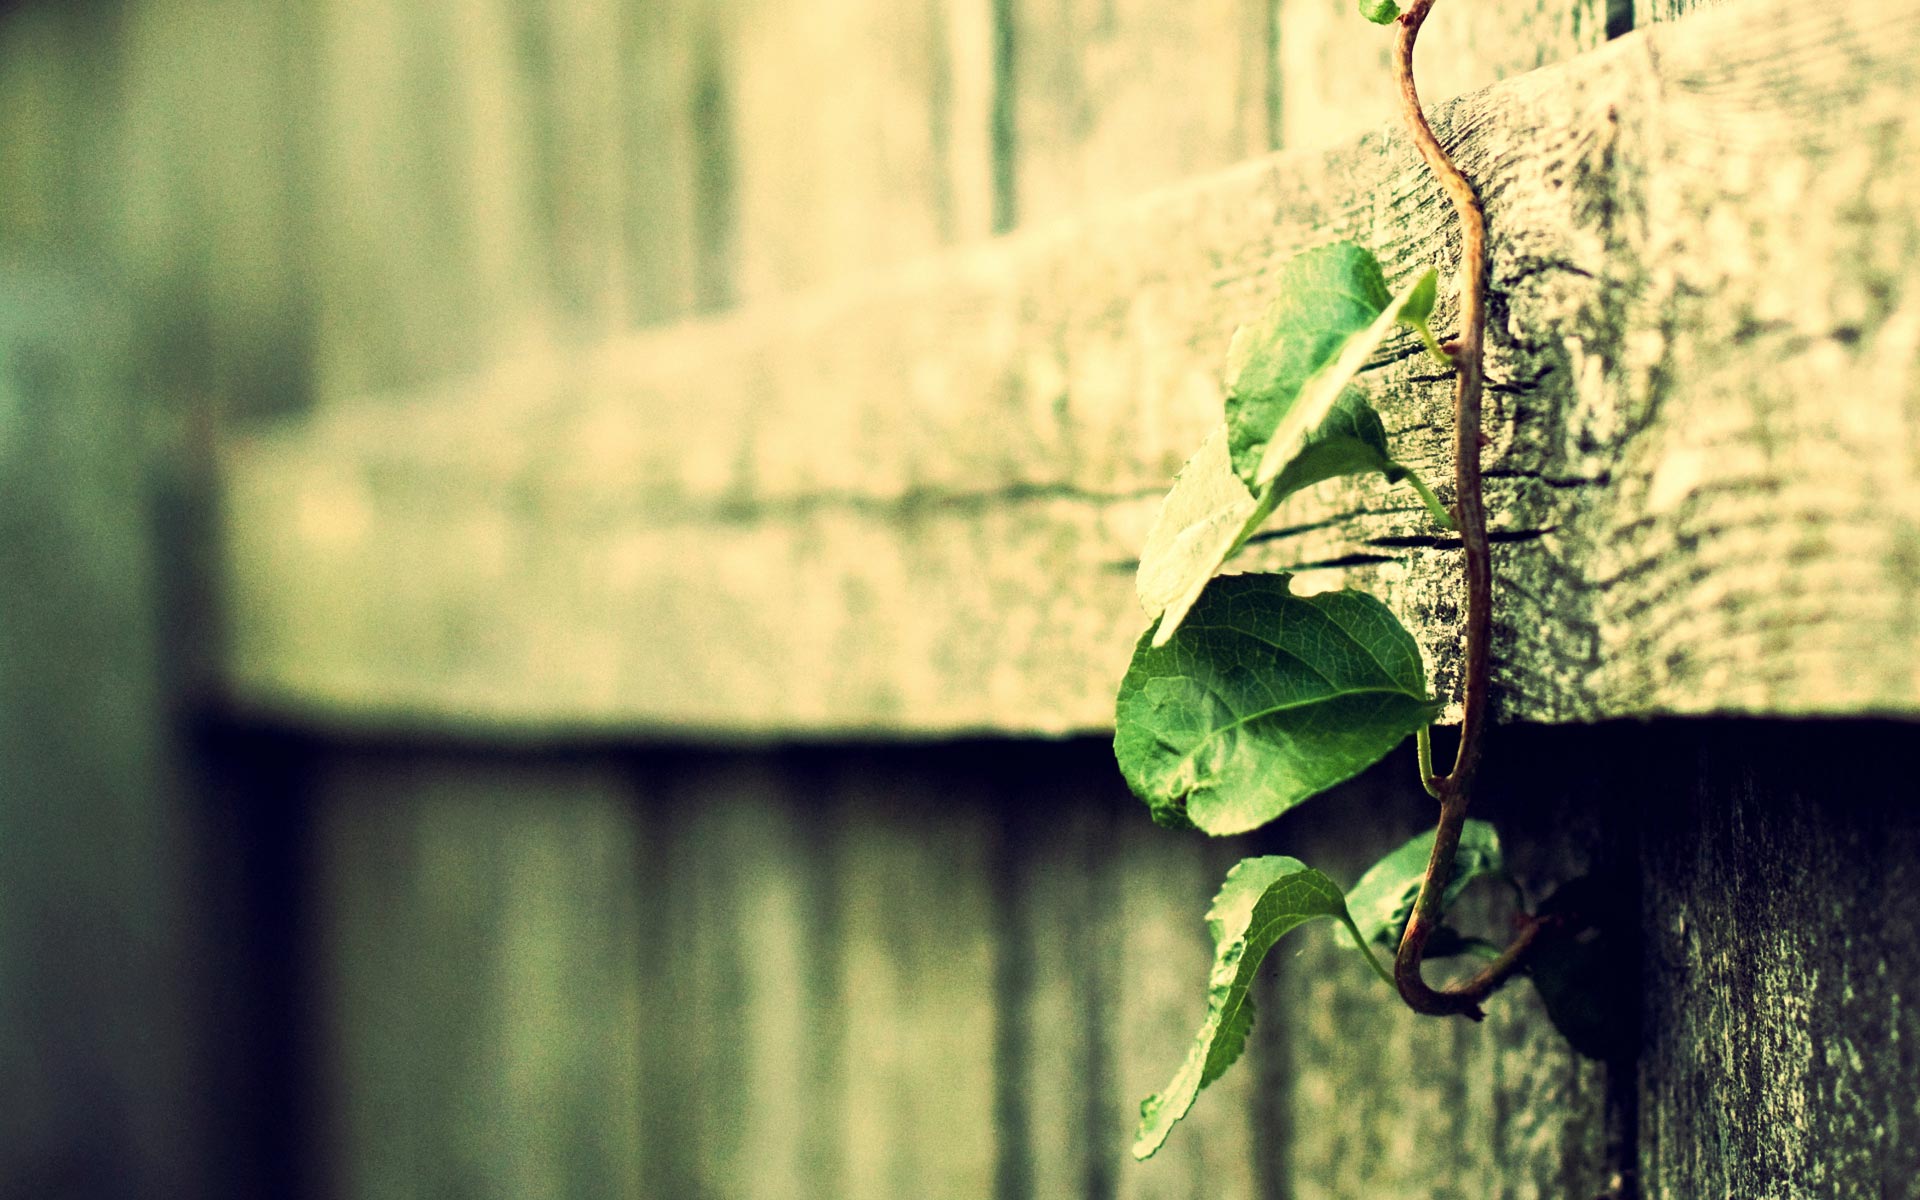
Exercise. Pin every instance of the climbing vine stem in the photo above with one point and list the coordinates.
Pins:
(1244, 698)
(1453, 789)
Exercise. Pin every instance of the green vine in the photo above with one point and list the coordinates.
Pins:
(1244, 700)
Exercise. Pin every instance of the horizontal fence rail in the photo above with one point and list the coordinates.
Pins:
(913, 504)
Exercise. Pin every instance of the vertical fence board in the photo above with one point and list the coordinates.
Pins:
(430, 262)
(1111, 99)
(481, 930)
(102, 1057)
(202, 205)
(1075, 1122)
(669, 78)
(743, 1048)
(914, 873)
(581, 173)
(861, 134)
(1387, 1103)
(1782, 956)
(51, 129)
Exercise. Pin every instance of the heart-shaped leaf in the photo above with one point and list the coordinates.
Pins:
(1263, 699)
(1206, 517)
(1262, 900)
(1209, 514)
(1383, 899)
(1380, 12)
(1330, 312)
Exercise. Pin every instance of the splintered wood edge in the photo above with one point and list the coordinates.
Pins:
(913, 505)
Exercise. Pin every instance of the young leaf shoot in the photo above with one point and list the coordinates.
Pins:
(1262, 900)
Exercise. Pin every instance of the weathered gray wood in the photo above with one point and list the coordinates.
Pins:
(209, 112)
(428, 231)
(913, 505)
(915, 894)
(1380, 1102)
(745, 1045)
(1782, 957)
(677, 202)
(860, 130)
(103, 1054)
(49, 128)
(1336, 73)
(803, 1033)
(1070, 1129)
(1112, 99)
(483, 998)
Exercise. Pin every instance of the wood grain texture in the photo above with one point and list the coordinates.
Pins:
(915, 894)
(1335, 69)
(1381, 1102)
(955, 970)
(1113, 99)
(1781, 963)
(431, 255)
(774, 1014)
(914, 504)
(482, 939)
(745, 1046)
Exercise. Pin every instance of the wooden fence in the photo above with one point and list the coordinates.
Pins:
(563, 567)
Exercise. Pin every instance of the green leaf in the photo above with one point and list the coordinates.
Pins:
(1380, 12)
(1330, 311)
(1209, 514)
(1350, 441)
(1206, 516)
(1261, 901)
(1383, 899)
(1263, 699)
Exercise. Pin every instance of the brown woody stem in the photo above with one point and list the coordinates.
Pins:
(1469, 513)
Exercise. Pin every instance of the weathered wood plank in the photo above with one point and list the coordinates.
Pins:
(428, 231)
(1069, 1133)
(1112, 99)
(860, 134)
(805, 1035)
(1336, 72)
(676, 200)
(1381, 1102)
(917, 970)
(49, 129)
(1782, 957)
(1161, 885)
(484, 1005)
(197, 192)
(745, 1041)
(104, 1050)
(955, 970)
(912, 505)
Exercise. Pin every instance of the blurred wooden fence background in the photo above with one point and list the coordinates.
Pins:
(371, 953)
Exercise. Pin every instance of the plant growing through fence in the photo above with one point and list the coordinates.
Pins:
(1243, 699)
